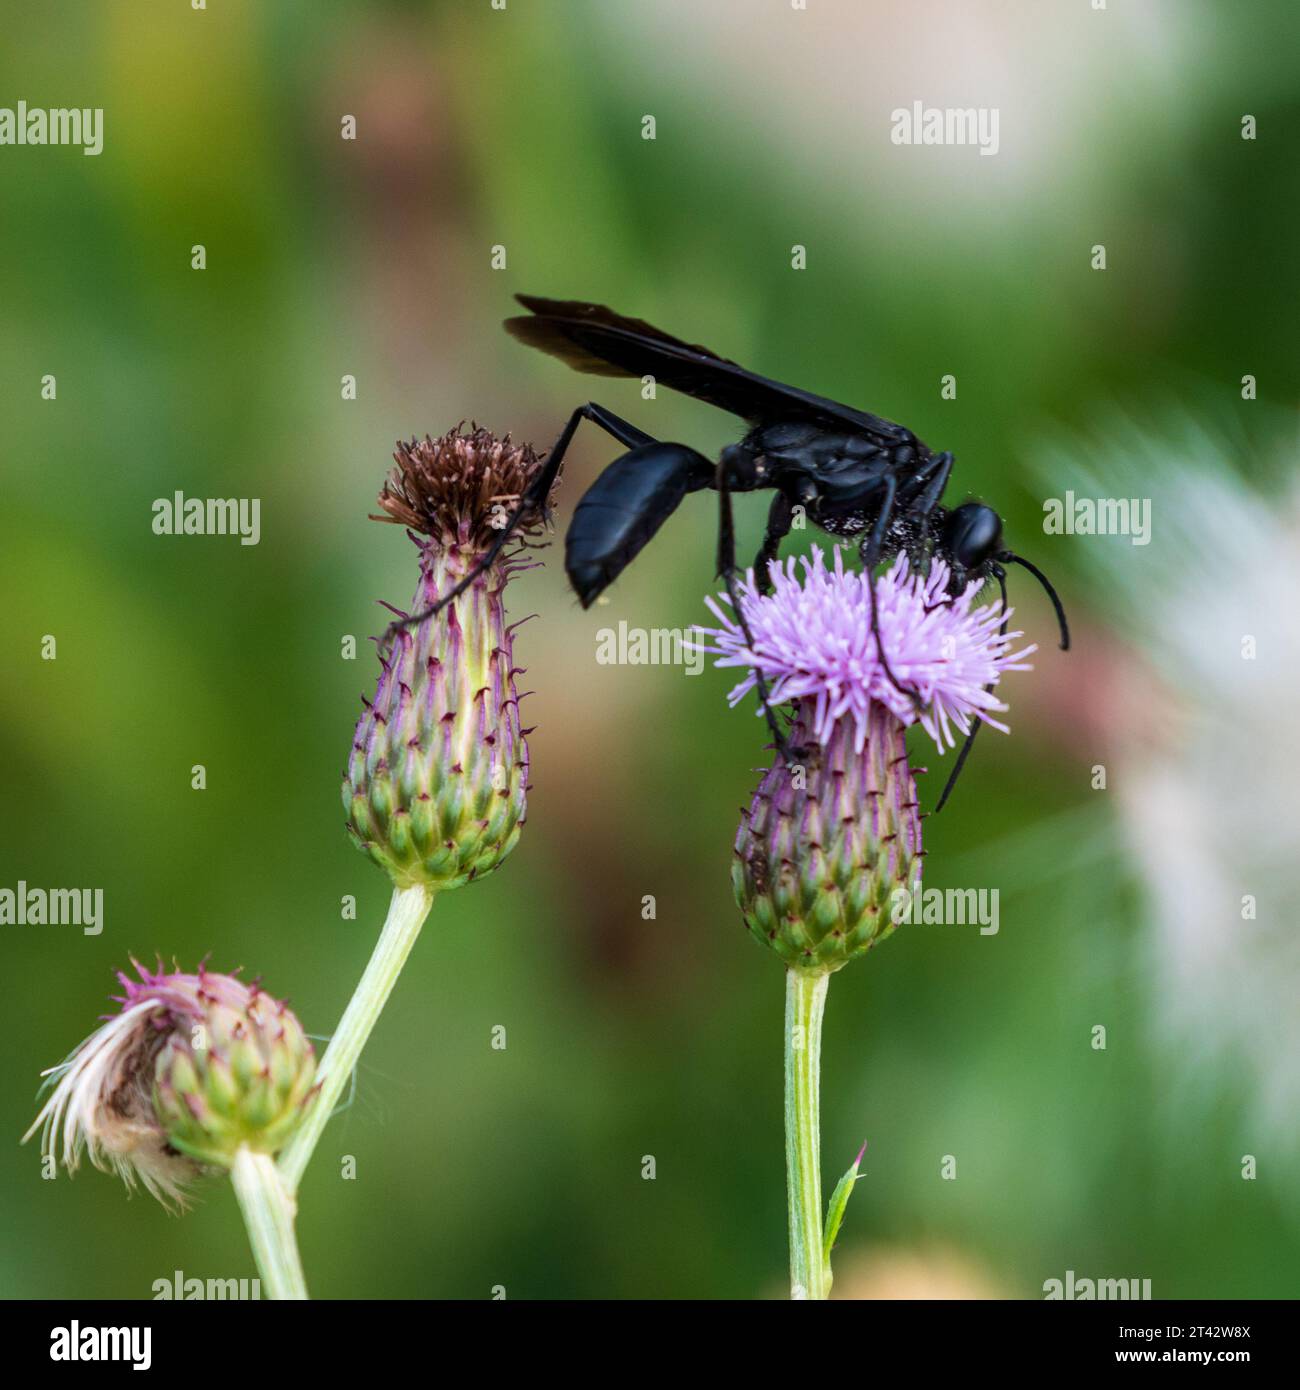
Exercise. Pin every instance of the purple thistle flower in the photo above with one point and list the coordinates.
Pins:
(825, 851)
(813, 642)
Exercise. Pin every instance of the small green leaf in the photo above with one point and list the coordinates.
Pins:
(839, 1200)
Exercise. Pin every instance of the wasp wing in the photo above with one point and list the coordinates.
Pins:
(593, 339)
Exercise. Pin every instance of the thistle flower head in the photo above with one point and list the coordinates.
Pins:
(190, 1068)
(460, 489)
(824, 849)
(435, 787)
(813, 641)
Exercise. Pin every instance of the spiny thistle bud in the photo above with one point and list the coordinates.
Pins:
(829, 844)
(192, 1068)
(436, 784)
(825, 844)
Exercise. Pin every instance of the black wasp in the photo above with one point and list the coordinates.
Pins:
(854, 474)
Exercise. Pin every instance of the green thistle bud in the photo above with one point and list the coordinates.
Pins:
(238, 1075)
(190, 1070)
(435, 789)
(826, 846)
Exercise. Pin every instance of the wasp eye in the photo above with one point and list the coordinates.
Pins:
(973, 534)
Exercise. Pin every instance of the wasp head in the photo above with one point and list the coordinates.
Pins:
(972, 538)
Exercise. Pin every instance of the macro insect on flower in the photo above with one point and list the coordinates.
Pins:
(849, 472)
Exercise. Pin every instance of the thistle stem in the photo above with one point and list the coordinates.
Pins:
(805, 1001)
(406, 914)
(269, 1209)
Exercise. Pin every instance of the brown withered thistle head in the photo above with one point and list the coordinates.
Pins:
(462, 488)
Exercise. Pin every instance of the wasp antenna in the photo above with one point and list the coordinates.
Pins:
(1001, 576)
(959, 764)
(1051, 593)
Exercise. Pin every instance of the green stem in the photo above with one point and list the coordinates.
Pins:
(805, 1000)
(406, 914)
(268, 1211)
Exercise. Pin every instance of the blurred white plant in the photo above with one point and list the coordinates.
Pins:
(1206, 760)
(831, 78)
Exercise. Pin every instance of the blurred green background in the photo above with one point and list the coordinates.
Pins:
(522, 128)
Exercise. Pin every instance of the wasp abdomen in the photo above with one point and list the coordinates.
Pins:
(624, 508)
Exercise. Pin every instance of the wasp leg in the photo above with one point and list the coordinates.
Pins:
(780, 518)
(534, 499)
(870, 552)
(728, 573)
(936, 472)
(1001, 576)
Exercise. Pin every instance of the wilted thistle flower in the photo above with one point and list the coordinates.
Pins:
(828, 845)
(436, 782)
(191, 1069)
